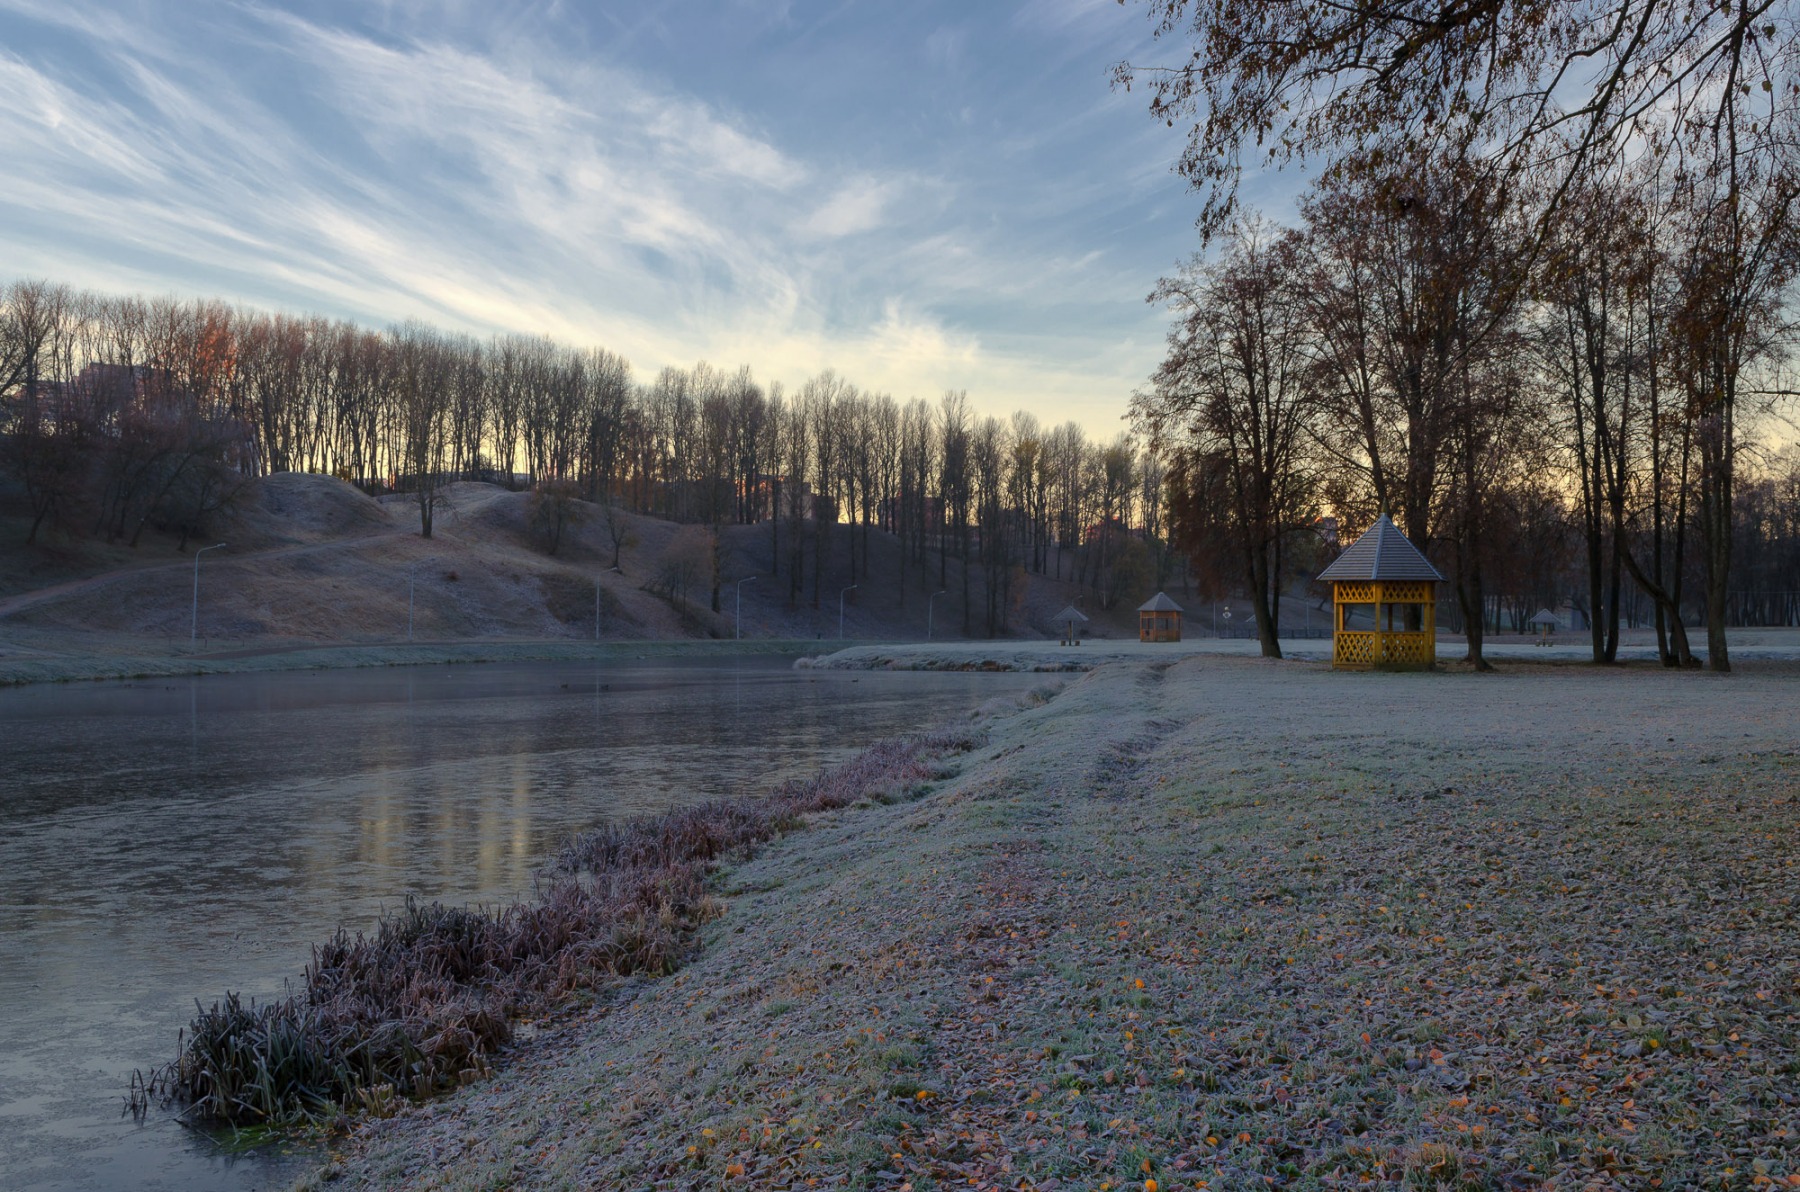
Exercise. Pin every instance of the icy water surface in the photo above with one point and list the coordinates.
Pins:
(167, 840)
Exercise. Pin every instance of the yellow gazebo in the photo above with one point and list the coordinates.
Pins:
(1159, 619)
(1384, 573)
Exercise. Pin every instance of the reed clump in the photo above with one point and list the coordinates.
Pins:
(422, 1004)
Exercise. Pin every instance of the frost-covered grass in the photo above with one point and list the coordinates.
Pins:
(1509, 649)
(1225, 924)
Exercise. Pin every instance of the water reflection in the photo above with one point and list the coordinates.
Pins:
(161, 841)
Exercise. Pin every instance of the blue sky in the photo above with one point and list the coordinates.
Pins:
(920, 195)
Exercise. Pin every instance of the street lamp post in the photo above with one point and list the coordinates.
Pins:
(194, 627)
(739, 631)
(841, 596)
(597, 600)
(930, 609)
(411, 571)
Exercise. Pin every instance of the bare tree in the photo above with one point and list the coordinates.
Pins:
(1229, 406)
(1556, 86)
(954, 490)
(422, 406)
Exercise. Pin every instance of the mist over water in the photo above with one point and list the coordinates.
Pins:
(167, 840)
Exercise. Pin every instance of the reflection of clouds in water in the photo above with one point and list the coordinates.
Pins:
(164, 842)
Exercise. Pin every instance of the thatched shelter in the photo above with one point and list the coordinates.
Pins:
(1159, 619)
(1384, 576)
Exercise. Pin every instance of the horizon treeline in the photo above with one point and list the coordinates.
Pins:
(1537, 301)
(119, 413)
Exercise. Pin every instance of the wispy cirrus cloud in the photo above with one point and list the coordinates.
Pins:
(436, 161)
(859, 205)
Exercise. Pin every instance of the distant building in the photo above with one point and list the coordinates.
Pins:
(1159, 619)
(100, 391)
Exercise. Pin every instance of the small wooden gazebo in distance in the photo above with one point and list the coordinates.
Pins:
(1071, 617)
(1384, 576)
(1159, 619)
(1546, 623)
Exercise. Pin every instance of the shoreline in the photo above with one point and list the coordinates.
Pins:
(1213, 922)
(54, 657)
(427, 1000)
(25, 666)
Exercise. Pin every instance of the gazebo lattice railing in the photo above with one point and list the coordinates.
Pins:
(1385, 644)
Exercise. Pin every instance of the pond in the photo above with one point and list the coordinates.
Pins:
(165, 841)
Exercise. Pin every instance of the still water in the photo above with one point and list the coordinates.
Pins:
(165, 841)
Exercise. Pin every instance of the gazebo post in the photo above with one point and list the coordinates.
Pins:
(1069, 618)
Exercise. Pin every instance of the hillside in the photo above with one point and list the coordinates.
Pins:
(312, 560)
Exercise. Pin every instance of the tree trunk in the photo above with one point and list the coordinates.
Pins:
(1256, 571)
(1715, 519)
(1680, 653)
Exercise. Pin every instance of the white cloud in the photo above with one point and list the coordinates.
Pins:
(857, 206)
(524, 186)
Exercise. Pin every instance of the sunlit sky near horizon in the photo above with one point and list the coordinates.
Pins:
(922, 195)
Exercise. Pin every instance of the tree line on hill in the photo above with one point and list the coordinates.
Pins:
(119, 413)
(1537, 304)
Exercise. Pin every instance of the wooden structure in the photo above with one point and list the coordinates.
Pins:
(1384, 575)
(1071, 617)
(1159, 619)
(1545, 622)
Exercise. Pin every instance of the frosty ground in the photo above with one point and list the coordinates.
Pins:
(1222, 923)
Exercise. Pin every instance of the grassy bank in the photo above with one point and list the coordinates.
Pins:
(34, 663)
(1223, 924)
(425, 1002)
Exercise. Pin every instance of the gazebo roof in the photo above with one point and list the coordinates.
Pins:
(1544, 616)
(1068, 614)
(1382, 553)
(1159, 603)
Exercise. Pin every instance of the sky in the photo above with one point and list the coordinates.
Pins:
(920, 195)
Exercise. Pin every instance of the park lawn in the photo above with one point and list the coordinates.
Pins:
(1229, 924)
